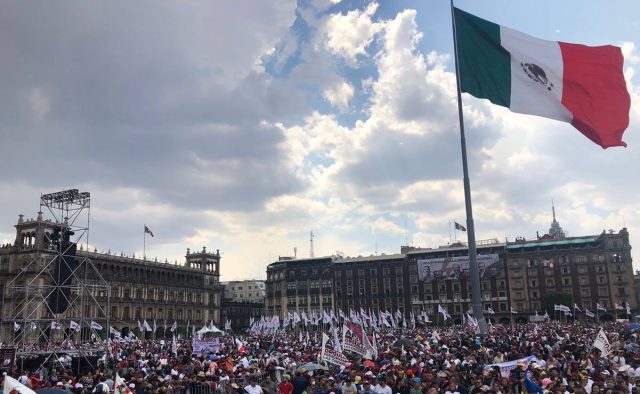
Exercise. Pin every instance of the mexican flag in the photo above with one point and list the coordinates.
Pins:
(573, 83)
(459, 227)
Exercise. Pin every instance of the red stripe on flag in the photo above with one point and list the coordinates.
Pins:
(595, 92)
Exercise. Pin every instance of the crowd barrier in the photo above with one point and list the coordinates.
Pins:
(198, 389)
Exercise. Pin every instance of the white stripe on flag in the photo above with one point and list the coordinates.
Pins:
(529, 96)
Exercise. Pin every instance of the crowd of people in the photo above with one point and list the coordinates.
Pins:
(547, 357)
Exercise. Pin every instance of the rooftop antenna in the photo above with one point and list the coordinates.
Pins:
(375, 241)
(406, 232)
(295, 251)
(311, 244)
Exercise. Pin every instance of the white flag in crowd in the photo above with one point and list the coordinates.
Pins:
(11, 385)
(445, 314)
(561, 308)
(602, 343)
(95, 325)
(74, 326)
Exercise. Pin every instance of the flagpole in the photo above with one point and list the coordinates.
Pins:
(471, 235)
(144, 243)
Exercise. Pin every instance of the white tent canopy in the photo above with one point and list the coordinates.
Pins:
(206, 329)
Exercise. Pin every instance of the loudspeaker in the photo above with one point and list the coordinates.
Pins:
(64, 266)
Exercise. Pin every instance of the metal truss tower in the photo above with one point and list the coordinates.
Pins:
(58, 302)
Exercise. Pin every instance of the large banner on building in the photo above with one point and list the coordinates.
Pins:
(205, 346)
(456, 267)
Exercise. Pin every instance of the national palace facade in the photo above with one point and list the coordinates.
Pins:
(187, 292)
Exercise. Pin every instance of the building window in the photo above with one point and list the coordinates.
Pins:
(385, 271)
(373, 272)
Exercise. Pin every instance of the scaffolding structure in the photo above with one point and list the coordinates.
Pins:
(59, 303)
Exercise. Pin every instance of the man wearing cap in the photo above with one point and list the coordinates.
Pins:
(416, 386)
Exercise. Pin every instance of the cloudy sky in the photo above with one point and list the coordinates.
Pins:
(244, 125)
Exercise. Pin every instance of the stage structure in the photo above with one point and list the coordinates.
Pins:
(58, 303)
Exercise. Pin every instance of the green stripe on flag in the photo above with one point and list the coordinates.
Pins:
(485, 66)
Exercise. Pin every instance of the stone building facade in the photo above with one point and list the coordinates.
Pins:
(189, 293)
(518, 276)
(244, 290)
(589, 270)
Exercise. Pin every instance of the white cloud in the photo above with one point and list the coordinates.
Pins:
(630, 52)
(350, 34)
(339, 95)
